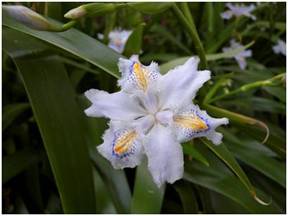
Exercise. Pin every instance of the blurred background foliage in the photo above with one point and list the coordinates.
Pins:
(49, 160)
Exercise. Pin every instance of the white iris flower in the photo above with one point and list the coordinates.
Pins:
(236, 10)
(280, 47)
(240, 57)
(152, 115)
(118, 39)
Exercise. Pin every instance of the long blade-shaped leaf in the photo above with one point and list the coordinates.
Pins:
(219, 180)
(256, 158)
(59, 120)
(74, 42)
(147, 197)
(224, 154)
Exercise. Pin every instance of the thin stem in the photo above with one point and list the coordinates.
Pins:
(214, 89)
(68, 25)
(190, 26)
(244, 88)
(239, 118)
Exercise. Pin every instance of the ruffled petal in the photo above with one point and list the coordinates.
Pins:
(191, 122)
(116, 106)
(179, 86)
(136, 76)
(165, 156)
(122, 146)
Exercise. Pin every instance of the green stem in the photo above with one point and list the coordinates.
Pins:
(214, 89)
(238, 118)
(244, 88)
(68, 25)
(188, 23)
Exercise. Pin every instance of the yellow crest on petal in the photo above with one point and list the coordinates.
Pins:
(192, 122)
(141, 76)
(124, 142)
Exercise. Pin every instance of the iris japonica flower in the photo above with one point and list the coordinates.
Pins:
(237, 11)
(151, 115)
(280, 47)
(118, 39)
(240, 57)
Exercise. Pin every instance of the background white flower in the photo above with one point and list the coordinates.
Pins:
(237, 11)
(280, 47)
(240, 57)
(118, 39)
(152, 115)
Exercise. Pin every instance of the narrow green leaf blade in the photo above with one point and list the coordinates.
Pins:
(256, 158)
(74, 42)
(191, 150)
(134, 42)
(147, 197)
(223, 153)
(220, 181)
(59, 120)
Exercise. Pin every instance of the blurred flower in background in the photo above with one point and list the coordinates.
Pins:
(280, 47)
(240, 58)
(118, 39)
(237, 11)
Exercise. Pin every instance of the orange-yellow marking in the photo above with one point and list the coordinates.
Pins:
(140, 74)
(124, 142)
(191, 122)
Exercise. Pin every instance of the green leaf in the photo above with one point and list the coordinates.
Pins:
(223, 153)
(191, 150)
(60, 123)
(74, 42)
(255, 158)
(163, 32)
(164, 68)
(187, 196)
(216, 178)
(278, 92)
(11, 112)
(18, 162)
(147, 197)
(104, 202)
(115, 180)
(134, 42)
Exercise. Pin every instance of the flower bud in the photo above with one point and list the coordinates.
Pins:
(34, 20)
(28, 17)
(76, 13)
(92, 9)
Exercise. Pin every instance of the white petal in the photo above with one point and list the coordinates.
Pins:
(118, 39)
(144, 124)
(241, 62)
(227, 14)
(165, 117)
(136, 76)
(280, 47)
(191, 122)
(122, 146)
(116, 106)
(179, 86)
(165, 156)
